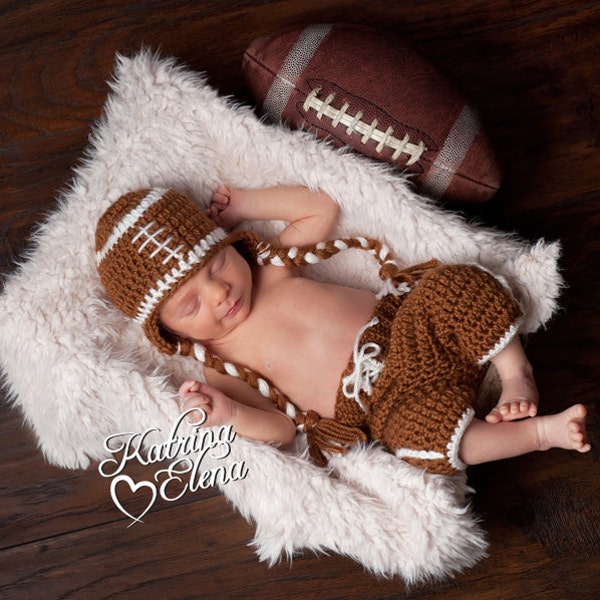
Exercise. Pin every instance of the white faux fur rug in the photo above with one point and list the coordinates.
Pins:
(80, 373)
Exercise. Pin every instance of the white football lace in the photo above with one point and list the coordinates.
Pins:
(369, 131)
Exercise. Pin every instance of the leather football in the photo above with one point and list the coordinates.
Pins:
(374, 92)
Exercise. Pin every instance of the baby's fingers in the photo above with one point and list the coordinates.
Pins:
(189, 387)
(221, 196)
(199, 406)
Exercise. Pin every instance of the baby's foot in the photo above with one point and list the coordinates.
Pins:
(564, 430)
(519, 400)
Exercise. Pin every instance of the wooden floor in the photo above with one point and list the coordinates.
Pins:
(533, 68)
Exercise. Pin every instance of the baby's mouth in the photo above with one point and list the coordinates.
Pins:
(234, 309)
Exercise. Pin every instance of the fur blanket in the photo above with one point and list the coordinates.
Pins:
(80, 372)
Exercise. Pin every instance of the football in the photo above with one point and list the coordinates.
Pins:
(374, 92)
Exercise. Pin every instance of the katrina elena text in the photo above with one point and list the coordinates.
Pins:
(186, 471)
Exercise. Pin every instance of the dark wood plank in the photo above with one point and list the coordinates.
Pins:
(566, 355)
(191, 548)
(32, 175)
(39, 501)
(539, 109)
(196, 562)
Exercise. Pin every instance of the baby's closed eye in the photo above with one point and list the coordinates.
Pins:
(219, 263)
(190, 308)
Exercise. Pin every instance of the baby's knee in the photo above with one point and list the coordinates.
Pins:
(469, 308)
(426, 429)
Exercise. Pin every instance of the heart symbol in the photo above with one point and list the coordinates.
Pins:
(134, 487)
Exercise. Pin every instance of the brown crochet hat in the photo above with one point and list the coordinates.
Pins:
(150, 242)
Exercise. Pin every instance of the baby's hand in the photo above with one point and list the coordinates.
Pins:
(224, 208)
(219, 408)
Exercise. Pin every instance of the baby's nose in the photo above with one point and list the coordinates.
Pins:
(219, 291)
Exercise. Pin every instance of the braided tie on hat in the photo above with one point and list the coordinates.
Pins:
(396, 280)
(322, 434)
(329, 435)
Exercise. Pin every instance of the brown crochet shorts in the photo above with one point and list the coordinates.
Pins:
(413, 379)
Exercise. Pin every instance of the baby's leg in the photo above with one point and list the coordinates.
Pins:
(519, 396)
(484, 442)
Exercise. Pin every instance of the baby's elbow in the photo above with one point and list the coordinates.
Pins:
(331, 207)
(330, 211)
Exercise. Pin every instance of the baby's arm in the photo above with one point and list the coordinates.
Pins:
(251, 415)
(310, 215)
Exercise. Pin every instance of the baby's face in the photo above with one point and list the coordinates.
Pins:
(213, 302)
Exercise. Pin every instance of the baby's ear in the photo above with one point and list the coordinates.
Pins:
(244, 252)
(168, 334)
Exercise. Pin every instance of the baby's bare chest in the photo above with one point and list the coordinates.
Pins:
(304, 339)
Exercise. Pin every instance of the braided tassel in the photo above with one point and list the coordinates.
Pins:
(308, 255)
(322, 434)
(260, 384)
(327, 435)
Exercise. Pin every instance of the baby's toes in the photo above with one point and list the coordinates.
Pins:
(579, 443)
(494, 416)
(514, 410)
(578, 437)
(519, 409)
(527, 408)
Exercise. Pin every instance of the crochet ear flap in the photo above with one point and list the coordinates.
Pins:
(148, 244)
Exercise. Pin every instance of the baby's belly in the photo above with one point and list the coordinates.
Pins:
(321, 353)
(319, 390)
